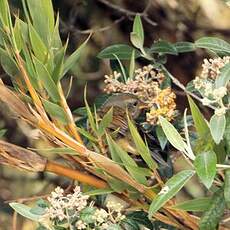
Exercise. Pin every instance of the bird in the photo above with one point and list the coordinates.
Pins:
(124, 104)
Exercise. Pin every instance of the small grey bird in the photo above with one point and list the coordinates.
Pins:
(123, 104)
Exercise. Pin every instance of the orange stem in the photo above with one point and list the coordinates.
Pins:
(74, 174)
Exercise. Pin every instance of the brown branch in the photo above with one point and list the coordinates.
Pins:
(91, 31)
(28, 160)
(181, 86)
(76, 175)
(126, 12)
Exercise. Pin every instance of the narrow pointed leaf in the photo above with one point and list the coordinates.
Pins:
(46, 80)
(195, 205)
(121, 50)
(161, 137)
(104, 123)
(39, 48)
(184, 47)
(138, 28)
(141, 146)
(8, 63)
(73, 58)
(163, 47)
(199, 120)
(172, 135)
(216, 45)
(171, 187)
(128, 161)
(55, 111)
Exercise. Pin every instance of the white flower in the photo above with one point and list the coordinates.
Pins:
(164, 190)
(105, 226)
(80, 224)
(198, 83)
(61, 204)
(117, 207)
(100, 215)
(206, 101)
(208, 89)
(220, 111)
(220, 92)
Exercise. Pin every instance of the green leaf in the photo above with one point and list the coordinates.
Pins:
(60, 150)
(97, 192)
(172, 135)
(216, 45)
(205, 164)
(141, 218)
(195, 205)
(30, 68)
(18, 34)
(44, 25)
(104, 123)
(5, 13)
(86, 214)
(56, 40)
(58, 64)
(123, 71)
(170, 189)
(199, 120)
(161, 137)
(137, 35)
(55, 111)
(86, 134)
(211, 218)
(39, 48)
(163, 47)
(227, 187)
(24, 210)
(138, 28)
(120, 50)
(46, 80)
(91, 119)
(128, 161)
(217, 127)
(142, 149)
(73, 58)
(227, 133)
(114, 227)
(184, 47)
(224, 77)
(2, 132)
(8, 63)
(129, 224)
(132, 65)
(117, 185)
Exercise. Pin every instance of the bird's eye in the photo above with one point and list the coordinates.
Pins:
(135, 103)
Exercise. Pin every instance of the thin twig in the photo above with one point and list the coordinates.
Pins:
(181, 86)
(26, 199)
(14, 221)
(126, 12)
(76, 31)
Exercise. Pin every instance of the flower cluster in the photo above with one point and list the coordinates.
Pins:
(145, 84)
(74, 212)
(63, 207)
(164, 105)
(205, 83)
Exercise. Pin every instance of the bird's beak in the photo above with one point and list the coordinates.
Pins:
(143, 106)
